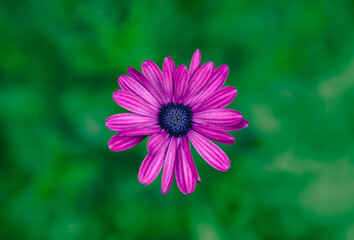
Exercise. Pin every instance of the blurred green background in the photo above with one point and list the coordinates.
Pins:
(292, 174)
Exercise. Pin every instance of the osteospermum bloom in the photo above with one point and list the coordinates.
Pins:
(175, 106)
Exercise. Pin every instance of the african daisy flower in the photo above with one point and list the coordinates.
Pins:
(175, 106)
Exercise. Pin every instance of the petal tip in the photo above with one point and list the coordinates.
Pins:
(120, 79)
(143, 181)
(182, 67)
(225, 168)
(107, 119)
(165, 188)
(197, 52)
(230, 141)
(246, 123)
(210, 64)
(115, 96)
(146, 62)
(116, 93)
(110, 147)
(131, 70)
(186, 193)
(224, 69)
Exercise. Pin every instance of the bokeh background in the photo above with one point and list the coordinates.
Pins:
(292, 174)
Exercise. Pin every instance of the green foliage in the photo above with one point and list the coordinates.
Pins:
(292, 168)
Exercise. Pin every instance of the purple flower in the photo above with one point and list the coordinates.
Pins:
(174, 106)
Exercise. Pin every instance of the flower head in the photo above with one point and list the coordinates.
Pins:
(175, 106)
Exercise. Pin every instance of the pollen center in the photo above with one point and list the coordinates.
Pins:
(176, 119)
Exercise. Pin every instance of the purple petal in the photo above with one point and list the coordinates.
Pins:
(168, 74)
(150, 169)
(184, 176)
(119, 143)
(123, 121)
(225, 117)
(152, 165)
(122, 84)
(198, 81)
(195, 64)
(180, 83)
(145, 131)
(154, 75)
(209, 151)
(242, 124)
(132, 103)
(220, 99)
(214, 134)
(169, 165)
(135, 74)
(129, 84)
(216, 81)
(186, 151)
(156, 140)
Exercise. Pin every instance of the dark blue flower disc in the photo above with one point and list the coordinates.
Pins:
(176, 119)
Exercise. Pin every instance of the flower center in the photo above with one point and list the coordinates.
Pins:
(176, 119)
